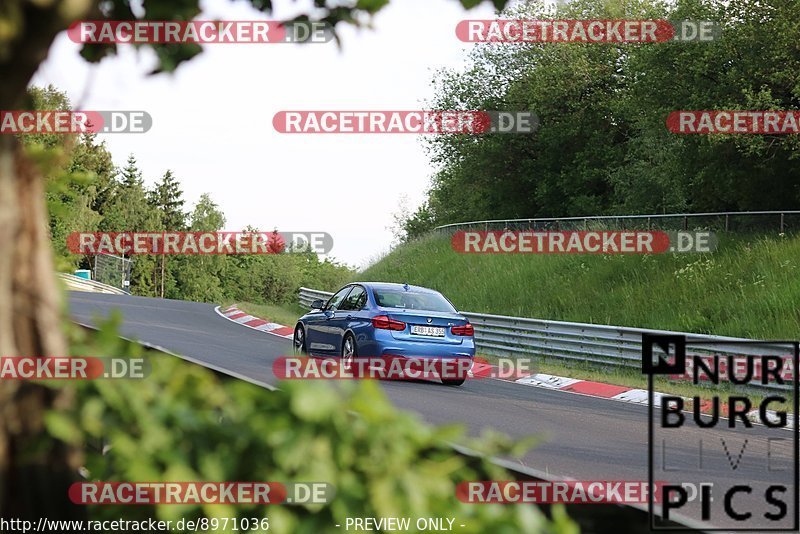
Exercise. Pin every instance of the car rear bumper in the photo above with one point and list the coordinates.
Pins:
(416, 349)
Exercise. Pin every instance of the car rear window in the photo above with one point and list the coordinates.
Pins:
(411, 300)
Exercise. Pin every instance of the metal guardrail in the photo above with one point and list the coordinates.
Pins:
(616, 346)
(307, 296)
(780, 221)
(76, 283)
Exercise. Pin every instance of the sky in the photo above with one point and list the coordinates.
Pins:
(212, 120)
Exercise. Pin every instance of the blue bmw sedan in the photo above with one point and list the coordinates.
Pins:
(370, 319)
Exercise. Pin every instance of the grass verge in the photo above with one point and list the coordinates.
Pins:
(748, 288)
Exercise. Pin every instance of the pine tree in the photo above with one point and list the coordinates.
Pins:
(129, 211)
(167, 199)
(131, 175)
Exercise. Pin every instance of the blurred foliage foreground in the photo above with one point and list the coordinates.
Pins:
(186, 423)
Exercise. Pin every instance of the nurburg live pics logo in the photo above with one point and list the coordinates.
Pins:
(746, 464)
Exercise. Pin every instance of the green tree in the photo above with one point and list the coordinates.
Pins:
(128, 210)
(206, 216)
(602, 146)
(93, 160)
(34, 470)
(419, 223)
(200, 277)
(166, 198)
(77, 171)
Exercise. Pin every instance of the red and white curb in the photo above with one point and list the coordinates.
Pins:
(232, 313)
(572, 385)
(590, 388)
(540, 380)
(576, 385)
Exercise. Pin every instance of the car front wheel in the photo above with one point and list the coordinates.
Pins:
(299, 340)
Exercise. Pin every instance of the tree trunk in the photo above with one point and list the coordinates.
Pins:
(163, 260)
(35, 470)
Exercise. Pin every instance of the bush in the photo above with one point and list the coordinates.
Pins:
(184, 423)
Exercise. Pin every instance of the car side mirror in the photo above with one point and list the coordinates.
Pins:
(317, 304)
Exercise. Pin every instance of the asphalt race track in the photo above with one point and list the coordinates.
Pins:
(585, 438)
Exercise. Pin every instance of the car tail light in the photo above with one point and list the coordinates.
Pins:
(464, 330)
(385, 323)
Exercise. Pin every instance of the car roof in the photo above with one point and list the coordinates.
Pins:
(390, 285)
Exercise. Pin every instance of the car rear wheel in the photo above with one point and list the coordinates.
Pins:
(349, 351)
(299, 340)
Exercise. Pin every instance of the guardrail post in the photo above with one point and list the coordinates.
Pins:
(782, 223)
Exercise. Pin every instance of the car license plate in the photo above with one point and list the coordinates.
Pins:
(431, 331)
